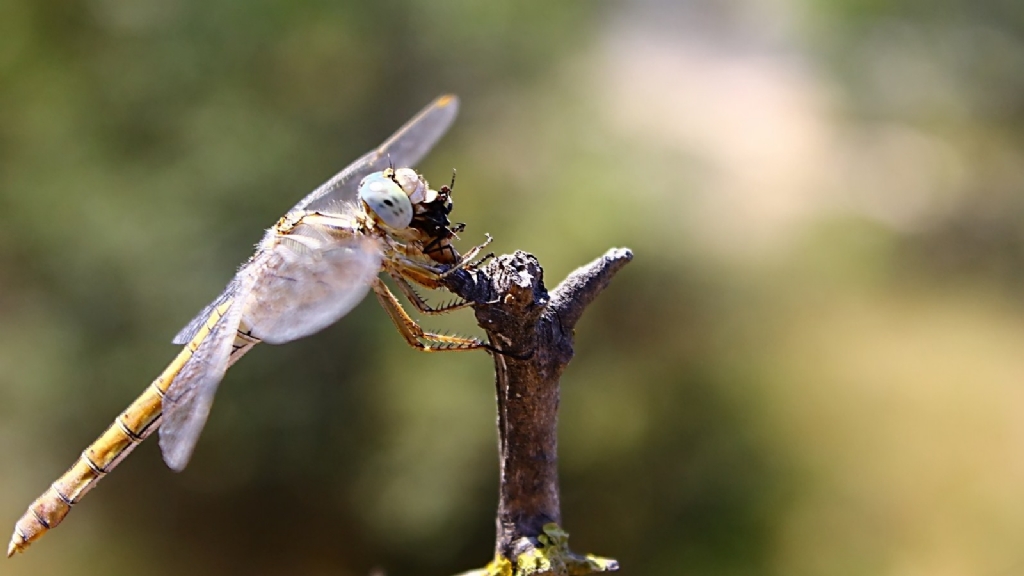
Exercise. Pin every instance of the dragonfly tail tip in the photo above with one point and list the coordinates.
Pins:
(17, 544)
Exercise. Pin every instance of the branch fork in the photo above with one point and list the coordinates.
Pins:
(535, 329)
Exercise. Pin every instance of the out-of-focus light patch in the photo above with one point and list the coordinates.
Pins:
(224, 461)
(15, 32)
(905, 413)
(415, 488)
(219, 133)
(757, 124)
(307, 65)
(904, 178)
(134, 17)
(606, 413)
(32, 380)
(763, 146)
(904, 73)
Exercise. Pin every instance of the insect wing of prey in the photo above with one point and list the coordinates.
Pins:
(304, 292)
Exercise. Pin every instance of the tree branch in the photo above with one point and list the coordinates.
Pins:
(535, 332)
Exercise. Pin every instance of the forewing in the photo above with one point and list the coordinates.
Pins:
(188, 399)
(405, 148)
(304, 295)
(299, 291)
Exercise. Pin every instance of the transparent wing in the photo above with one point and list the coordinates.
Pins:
(286, 292)
(189, 397)
(189, 332)
(405, 148)
(302, 290)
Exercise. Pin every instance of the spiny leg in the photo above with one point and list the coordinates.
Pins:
(467, 258)
(412, 332)
(428, 274)
(422, 304)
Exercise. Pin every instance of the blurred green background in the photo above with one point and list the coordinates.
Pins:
(814, 365)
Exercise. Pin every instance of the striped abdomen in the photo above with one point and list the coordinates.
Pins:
(130, 428)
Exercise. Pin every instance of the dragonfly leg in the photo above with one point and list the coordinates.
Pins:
(429, 275)
(414, 335)
(422, 304)
(468, 257)
(480, 261)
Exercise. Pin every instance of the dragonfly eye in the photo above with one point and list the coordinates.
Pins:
(386, 199)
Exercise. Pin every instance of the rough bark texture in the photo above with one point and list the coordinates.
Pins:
(534, 329)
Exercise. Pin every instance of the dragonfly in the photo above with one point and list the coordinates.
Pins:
(311, 268)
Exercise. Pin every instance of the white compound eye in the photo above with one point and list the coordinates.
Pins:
(413, 184)
(387, 200)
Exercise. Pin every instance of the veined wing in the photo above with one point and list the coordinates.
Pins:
(405, 148)
(306, 280)
(189, 397)
(306, 294)
(298, 284)
(188, 332)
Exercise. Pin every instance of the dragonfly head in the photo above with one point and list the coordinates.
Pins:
(384, 196)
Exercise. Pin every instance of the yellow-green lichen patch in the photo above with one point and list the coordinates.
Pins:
(551, 555)
(500, 566)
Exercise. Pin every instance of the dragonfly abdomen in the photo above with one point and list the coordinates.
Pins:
(129, 429)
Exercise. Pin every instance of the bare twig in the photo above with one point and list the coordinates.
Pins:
(535, 332)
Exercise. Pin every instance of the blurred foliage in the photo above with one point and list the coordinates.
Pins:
(812, 366)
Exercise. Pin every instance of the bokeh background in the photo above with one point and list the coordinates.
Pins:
(814, 365)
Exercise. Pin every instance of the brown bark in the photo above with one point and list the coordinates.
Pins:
(534, 330)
